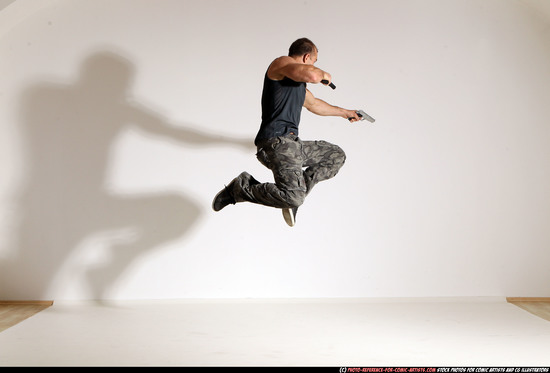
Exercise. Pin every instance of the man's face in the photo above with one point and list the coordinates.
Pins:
(310, 59)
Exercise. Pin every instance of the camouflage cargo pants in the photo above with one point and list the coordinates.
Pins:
(296, 165)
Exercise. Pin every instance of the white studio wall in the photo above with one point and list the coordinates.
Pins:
(121, 119)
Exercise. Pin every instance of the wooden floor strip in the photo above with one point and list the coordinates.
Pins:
(13, 312)
(537, 306)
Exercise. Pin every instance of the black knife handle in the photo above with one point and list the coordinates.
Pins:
(331, 85)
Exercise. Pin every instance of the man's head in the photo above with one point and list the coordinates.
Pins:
(305, 50)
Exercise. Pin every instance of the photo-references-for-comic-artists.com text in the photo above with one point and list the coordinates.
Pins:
(446, 370)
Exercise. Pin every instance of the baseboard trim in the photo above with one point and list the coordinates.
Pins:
(527, 299)
(50, 302)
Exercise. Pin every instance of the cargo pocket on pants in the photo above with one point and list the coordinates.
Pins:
(262, 157)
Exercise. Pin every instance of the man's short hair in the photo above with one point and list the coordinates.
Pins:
(300, 47)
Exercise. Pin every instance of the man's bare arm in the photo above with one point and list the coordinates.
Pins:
(287, 67)
(320, 107)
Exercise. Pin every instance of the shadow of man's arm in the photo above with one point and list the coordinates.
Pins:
(157, 125)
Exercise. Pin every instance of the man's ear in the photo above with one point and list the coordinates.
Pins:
(305, 57)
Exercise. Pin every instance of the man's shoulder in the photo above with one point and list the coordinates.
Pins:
(281, 61)
(273, 72)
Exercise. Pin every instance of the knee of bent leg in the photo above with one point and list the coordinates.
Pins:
(341, 156)
(338, 157)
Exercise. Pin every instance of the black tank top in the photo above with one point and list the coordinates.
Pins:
(282, 102)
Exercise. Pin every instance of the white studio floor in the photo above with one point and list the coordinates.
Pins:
(316, 332)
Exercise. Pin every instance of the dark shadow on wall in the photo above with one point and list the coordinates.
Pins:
(5, 3)
(68, 131)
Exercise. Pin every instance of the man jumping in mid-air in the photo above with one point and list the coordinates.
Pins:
(279, 148)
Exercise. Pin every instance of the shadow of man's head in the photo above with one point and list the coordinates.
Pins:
(107, 75)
